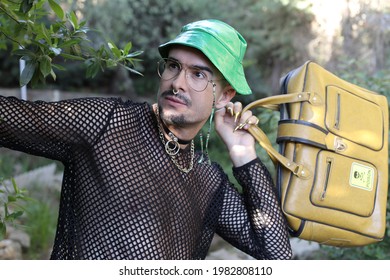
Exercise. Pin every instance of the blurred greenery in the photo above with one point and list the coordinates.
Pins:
(40, 222)
(281, 35)
(11, 201)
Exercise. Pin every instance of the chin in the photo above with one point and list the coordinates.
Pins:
(171, 118)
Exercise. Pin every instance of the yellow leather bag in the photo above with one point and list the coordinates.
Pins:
(332, 163)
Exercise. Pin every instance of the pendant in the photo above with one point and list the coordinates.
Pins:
(172, 147)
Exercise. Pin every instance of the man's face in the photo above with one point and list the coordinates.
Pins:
(188, 107)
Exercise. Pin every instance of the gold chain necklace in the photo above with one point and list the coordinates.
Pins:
(172, 146)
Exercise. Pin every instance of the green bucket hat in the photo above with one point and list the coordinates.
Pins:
(221, 44)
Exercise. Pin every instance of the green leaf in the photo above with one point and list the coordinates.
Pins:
(114, 49)
(26, 6)
(14, 185)
(92, 67)
(15, 215)
(5, 209)
(27, 73)
(59, 67)
(111, 45)
(73, 20)
(82, 31)
(23, 52)
(72, 57)
(70, 43)
(45, 65)
(127, 48)
(57, 9)
(37, 79)
(134, 54)
(132, 70)
(53, 74)
(45, 34)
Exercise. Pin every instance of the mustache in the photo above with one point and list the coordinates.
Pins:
(182, 97)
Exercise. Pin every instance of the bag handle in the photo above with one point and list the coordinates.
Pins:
(297, 169)
(273, 103)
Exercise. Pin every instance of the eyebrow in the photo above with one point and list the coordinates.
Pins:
(201, 67)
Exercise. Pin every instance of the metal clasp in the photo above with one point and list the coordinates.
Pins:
(339, 145)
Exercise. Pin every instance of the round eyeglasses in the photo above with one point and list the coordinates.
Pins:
(196, 77)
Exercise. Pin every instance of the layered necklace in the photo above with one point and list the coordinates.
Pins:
(172, 146)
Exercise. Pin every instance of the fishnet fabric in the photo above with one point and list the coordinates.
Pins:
(123, 198)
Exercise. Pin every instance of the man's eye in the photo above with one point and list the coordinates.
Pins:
(173, 65)
(198, 74)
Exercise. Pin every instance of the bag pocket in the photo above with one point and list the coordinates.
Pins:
(354, 118)
(344, 184)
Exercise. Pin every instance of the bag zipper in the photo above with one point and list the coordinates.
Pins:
(337, 117)
(329, 162)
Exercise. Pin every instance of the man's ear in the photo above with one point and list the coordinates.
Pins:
(227, 94)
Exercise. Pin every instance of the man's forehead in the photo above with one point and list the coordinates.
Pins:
(187, 54)
(191, 57)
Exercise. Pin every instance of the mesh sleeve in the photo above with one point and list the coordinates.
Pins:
(253, 222)
(50, 129)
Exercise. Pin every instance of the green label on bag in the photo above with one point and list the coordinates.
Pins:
(361, 176)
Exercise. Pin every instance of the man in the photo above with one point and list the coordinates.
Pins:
(133, 186)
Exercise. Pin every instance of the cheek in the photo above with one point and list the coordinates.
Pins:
(203, 106)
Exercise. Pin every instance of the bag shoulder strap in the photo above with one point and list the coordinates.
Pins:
(273, 103)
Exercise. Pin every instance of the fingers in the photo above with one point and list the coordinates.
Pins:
(252, 120)
(234, 109)
(230, 109)
(245, 120)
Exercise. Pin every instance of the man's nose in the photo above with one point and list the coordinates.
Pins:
(180, 81)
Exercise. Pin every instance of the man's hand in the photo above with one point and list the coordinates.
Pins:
(232, 127)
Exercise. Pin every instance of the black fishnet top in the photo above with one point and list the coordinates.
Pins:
(123, 198)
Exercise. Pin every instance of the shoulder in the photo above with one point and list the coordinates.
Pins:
(131, 104)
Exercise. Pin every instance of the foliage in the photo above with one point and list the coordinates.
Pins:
(40, 209)
(39, 37)
(41, 221)
(10, 202)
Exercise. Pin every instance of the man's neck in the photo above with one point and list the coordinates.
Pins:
(184, 134)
